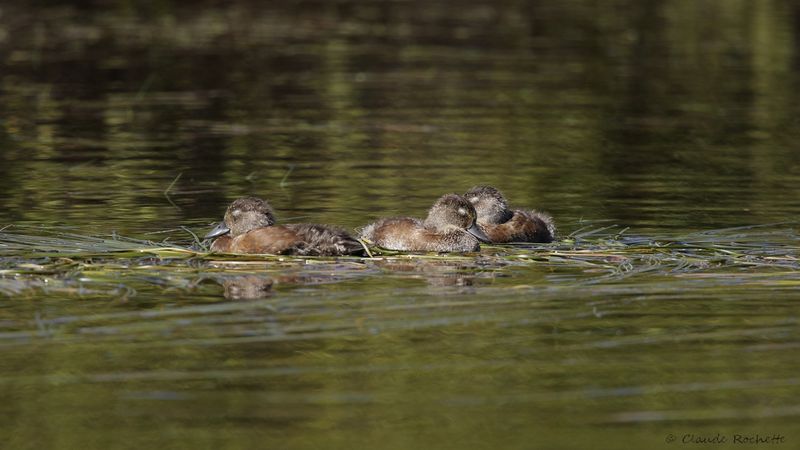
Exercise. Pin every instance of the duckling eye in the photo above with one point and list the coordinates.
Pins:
(462, 211)
(236, 213)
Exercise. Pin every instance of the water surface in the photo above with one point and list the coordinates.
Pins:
(662, 120)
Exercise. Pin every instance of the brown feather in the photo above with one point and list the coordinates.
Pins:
(524, 226)
(409, 234)
(275, 240)
(222, 244)
(251, 224)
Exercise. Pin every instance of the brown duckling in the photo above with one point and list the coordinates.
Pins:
(503, 224)
(249, 227)
(449, 227)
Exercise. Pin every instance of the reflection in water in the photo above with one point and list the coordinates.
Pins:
(437, 273)
(247, 287)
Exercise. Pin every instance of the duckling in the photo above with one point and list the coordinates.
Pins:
(449, 227)
(249, 227)
(502, 224)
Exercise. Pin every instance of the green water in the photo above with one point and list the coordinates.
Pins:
(663, 119)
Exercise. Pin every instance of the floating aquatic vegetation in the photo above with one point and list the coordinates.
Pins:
(59, 260)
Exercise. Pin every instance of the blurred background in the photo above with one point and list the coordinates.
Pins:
(137, 118)
(650, 114)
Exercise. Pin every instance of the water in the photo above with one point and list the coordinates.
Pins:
(666, 118)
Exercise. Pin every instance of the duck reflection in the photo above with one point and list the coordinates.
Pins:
(247, 287)
(461, 275)
(253, 286)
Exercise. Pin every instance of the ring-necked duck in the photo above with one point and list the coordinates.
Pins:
(449, 227)
(502, 224)
(249, 227)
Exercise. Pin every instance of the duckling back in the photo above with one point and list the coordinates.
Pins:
(523, 226)
(393, 233)
(324, 240)
(411, 235)
(547, 226)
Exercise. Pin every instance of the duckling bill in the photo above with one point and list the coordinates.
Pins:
(449, 227)
(249, 227)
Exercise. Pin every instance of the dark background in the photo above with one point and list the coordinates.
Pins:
(656, 115)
